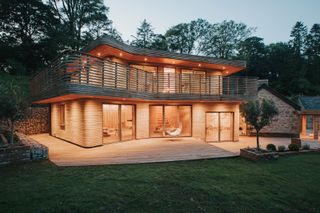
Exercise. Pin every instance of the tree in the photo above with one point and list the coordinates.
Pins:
(145, 36)
(298, 37)
(313, 58)
(159, 42)
(186, 37)
(253, 51)
(24, 28)
(259, 114)
(14, 105)
(82, 20)
(223, 39)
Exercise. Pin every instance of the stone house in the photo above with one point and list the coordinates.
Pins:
(286, 124)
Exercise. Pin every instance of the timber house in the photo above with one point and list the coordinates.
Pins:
(111, 92)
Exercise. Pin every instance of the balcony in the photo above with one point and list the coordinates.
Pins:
(78, 73)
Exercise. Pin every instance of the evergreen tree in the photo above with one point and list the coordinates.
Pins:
(313, 58)
(145, 36)
(298, 37)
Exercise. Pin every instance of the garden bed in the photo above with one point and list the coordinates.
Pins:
(255, 155)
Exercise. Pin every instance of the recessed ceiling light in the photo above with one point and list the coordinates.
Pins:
(145, 59)
(99, 54)
(199, 65)
(120, 54)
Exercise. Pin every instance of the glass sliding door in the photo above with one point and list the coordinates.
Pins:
(212, 127)
(111, 123)
(185, 120)
(226, 126)
(219, 126)
(156, 121)
(118, 123)
(166, 119)
(127, 122)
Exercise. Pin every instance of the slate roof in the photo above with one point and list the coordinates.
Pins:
(160, 53)
(310, 102)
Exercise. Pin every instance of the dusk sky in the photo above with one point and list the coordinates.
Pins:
(272, 18)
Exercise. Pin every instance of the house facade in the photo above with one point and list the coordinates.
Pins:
(111, 92)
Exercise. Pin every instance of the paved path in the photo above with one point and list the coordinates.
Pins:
(137, 151)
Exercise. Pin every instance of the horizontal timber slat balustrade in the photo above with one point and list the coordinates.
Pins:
(75, 68)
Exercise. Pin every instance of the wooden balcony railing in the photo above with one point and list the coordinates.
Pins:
(78, 72)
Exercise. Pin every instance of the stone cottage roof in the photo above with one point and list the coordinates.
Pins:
(280, 96)
(310, 103)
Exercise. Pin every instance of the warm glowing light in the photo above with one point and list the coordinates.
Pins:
(199, 65)
(173, 62)
(120, 54)
(227, 72)
(99, 54)
(223, 67)
(145, 59)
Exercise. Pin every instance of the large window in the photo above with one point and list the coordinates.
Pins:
(168, 121)
(118, 123)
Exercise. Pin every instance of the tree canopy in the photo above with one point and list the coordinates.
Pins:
(33, 32)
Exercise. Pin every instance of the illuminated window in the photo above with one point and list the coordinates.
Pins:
(62, 116)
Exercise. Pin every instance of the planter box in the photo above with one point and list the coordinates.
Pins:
(16, 154)
(251, 155)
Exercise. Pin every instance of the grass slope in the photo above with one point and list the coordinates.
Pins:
(290, 184)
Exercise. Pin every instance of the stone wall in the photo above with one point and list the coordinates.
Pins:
(286, 124)
(37, 122)
(288, 120)
(28, 150)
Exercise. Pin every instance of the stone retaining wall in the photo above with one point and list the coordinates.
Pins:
(17, 154)
(37, 150)
(29, 150)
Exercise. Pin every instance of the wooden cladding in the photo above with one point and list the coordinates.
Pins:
(81, 71)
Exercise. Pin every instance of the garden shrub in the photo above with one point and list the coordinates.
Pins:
(293, 147)
(271, 147)
(281, 148)
(306, 146)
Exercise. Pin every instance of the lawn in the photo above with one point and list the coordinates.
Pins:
(290, 184)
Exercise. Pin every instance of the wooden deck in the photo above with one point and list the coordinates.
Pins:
(139, 151)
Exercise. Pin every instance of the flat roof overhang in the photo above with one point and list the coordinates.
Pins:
(70, 97)
(108, 47)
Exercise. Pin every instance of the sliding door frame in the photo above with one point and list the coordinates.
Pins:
(219, 126)
(134, 122)
(163, 119)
